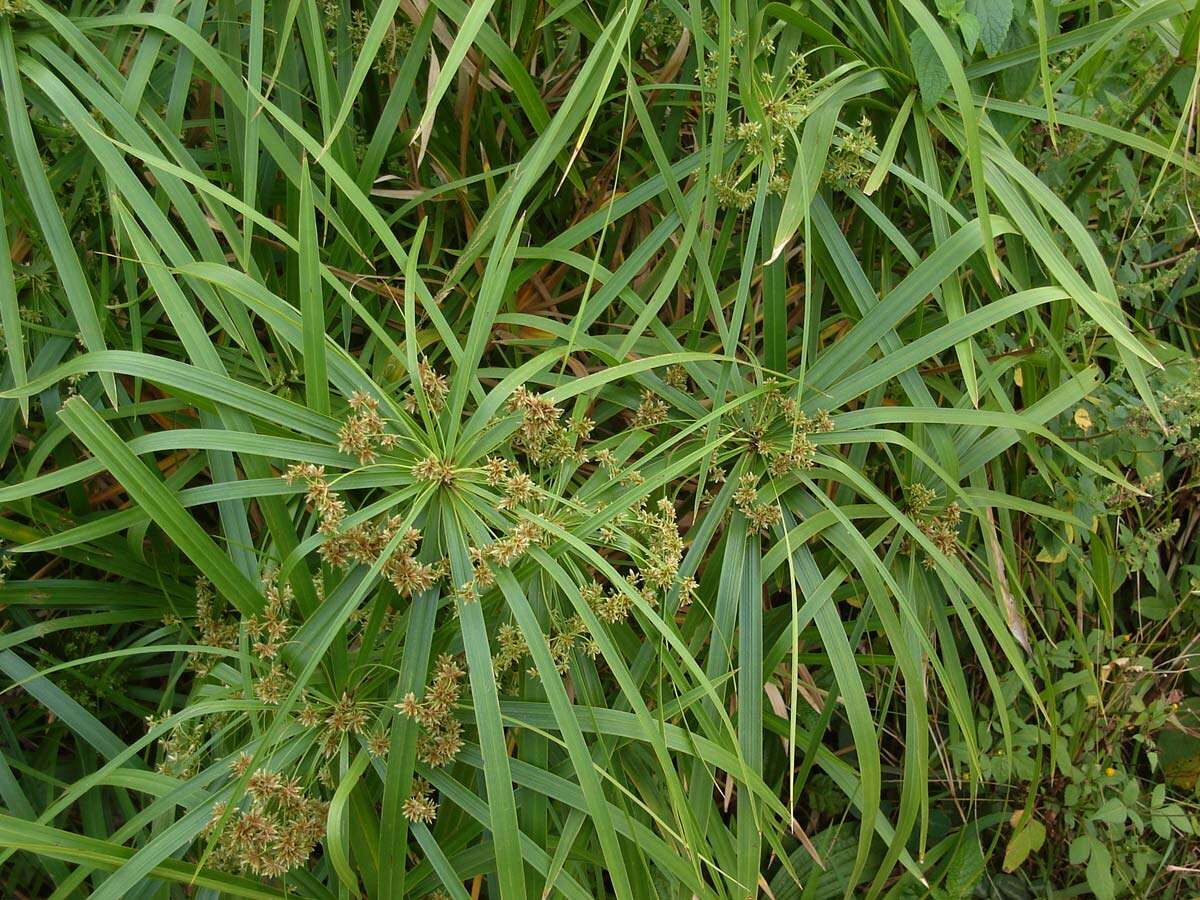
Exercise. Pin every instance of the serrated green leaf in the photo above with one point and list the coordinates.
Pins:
(965, 867)
(994, 18)
(969, 26)
(1111, 811)
(932, 77)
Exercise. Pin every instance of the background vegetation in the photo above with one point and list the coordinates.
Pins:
(599, 449)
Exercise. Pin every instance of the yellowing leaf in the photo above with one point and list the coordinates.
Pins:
(1083, 420)
(1024, 841)
(1183, 772)
(1045, 556)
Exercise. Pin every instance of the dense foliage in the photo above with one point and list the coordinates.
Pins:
(599, 449)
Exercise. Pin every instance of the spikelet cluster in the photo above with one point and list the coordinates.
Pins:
(275, 832)
(504, 551)
(919, 498)
(664, 544)
(733, 191)
(435, 470)
(784, 104)
(512, 649)
(434, 385)
(661, 28)
(320, 497)
(397, 39)
(541, 436)
(780, 431)
(791, 97)
(441, 732)
(849, 165)
(379, 743)
(362, 433)
(940, 526)
(216, 628)
(676, 376)
(609, 462)
(760, 516)
(407, 574)
(420, 805)
(609, 605)
(180, 749)
(942, 529)
(798, 454)
(566, 632)
(650, 412)
(268, 630)
(364, 542)
(272, 686)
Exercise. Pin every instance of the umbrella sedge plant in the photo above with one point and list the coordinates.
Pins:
(554, 449)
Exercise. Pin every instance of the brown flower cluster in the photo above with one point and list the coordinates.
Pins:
(181, 749)
(664, 545)
(346, 716)
(321, 498)
(269, 629)
(941, 527)
(676, 376)
(433, 385)
(650, 412)
(441, 736)
(609, 606)
(275, 832)
(504, 551)
(274, 685)
(379, 743)
(512, 649)
(364, 542)
(216, 629)
(761, 516)
(541, 436)
(606, 458)
(408, 575)
(420, 806)
(780, 432)
(798, 453)
(566, 633)
(438, 471)
(507, 549)
(363, 434)
(919, 498)
(519, 490)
